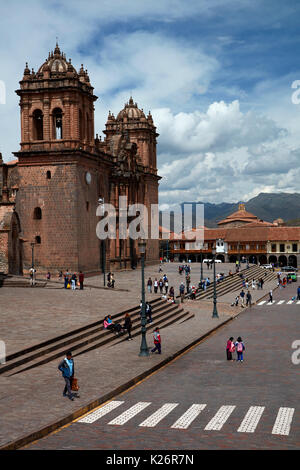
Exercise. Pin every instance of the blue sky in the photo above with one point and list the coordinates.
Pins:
(215, 74)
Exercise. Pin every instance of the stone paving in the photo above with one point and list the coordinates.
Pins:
(33, 399)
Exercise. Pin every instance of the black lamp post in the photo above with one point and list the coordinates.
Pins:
(144, 351)
(201, 269)
(215, 311)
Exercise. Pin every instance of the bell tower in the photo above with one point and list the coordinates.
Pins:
(57, 106)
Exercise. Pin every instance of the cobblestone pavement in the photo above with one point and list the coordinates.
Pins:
(34, 399)
(202, 401)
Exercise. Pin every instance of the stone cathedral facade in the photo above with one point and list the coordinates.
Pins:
(49, 194)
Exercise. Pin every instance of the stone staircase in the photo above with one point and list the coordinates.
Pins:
(92, 336)
(8, 280)
(234, 282)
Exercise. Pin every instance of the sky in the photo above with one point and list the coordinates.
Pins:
(217, 76)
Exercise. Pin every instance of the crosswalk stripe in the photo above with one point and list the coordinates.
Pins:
(220, 418)
(283, 421)
(290, 302)
(280, 302)
(298, 302)
(271, 303)
(261, 303)
(251, 419)
(156, 417)
(130, 413)
(95, 415)
(188, 417)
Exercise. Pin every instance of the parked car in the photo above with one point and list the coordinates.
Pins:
(289, 269)
(210, 260)
(267, 266)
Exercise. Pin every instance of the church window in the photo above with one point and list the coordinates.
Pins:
(48, 175)
(58, 124)
(37, 213)
(38, 125)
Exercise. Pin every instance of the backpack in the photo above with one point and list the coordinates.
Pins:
(239, 347)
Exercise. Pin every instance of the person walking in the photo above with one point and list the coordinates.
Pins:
(66, 366)
(73, 281)
(161, 285)
(155, 285)
(149, 285)
(32, 273)
(230, 348)
(157, 341)
(127, 326)
(242, 296)
(248, 299)
(149, 312)
(181, 292)
(166, 286)
(271, 296)
(81, 279)
(112, 280)
(240, 348)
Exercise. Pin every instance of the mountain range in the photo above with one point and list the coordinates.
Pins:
(266, 206)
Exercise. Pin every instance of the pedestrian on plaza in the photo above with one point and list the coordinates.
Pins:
(253, 284)
(161, 285)
(181, 292)
(157, 341)
(81, 279)
(155, 285)
(112, 280)
(230, 348)
(66, 366)
(60, 275)
(149, 285)
(32, 273)
(271, 296)
(166, 284)
(298, 293)
(149, 312)
(48, 276)
(73, 281)
(240, 348)
(248, 299)
(66, 280)
(128, 326)
(242, 296)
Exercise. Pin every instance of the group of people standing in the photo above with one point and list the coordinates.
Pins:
(237, 346)
(72, 281)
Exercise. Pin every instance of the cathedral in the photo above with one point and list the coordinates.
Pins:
(50, 193)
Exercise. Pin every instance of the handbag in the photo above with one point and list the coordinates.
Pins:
(74, 386)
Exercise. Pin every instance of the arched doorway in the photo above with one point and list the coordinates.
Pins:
(273, 260)
(221, 257)
(253, 259)
(15, 258)
(292, 261)
(192, 258)
(282, 260)
(232, 259)
(263, 259)
(182, 258)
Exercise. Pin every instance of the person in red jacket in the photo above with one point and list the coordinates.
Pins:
(157, 341)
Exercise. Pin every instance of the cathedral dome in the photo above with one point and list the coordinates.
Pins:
(56, 63)
(131, 111)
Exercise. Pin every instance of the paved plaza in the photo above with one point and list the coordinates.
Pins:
(32, 400)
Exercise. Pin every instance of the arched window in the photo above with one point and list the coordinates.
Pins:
(37, 214)
(48, 175)
(81, 131)
(57, 124)
(38, 240)
(37, 125)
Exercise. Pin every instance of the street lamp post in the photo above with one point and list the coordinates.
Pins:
(144, 351)
(102, 246)
(201, 269)
(215, 311)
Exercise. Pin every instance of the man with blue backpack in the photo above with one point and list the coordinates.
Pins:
(66, 366)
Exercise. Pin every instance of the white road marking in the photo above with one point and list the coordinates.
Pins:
(95, 415)
(251, 419)
(130, 413)
(290, 302)
(220, 418)
(298, 302)
(261, 303)
(271, 303)
(283, 421)
(188, 417)
(280, 302)
(160, 414)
